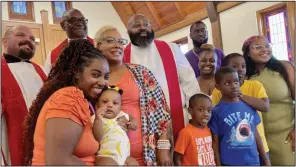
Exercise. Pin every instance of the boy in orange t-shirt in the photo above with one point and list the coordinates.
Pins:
(194, 143)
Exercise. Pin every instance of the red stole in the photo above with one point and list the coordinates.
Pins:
(170, 68)
(55, 53)
(15, 110)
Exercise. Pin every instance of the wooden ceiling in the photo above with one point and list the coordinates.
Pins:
(166, 17)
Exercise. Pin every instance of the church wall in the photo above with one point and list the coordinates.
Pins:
(98, 14)
(237, 24)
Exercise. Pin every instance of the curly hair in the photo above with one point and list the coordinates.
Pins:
(273, 64)
(73, 59)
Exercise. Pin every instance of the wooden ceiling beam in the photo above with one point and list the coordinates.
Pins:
(180, 10)
(227, 5)
(215, 23)
(187, 20)
(154, 14)
(128, 8)
(202, 14)
(212, 11)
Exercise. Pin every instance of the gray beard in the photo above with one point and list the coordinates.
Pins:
(139, 41)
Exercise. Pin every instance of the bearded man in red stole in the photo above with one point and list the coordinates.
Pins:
(75, 25)
(168, 64)
(21, 81)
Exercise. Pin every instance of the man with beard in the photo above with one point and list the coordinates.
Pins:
(21, 81)
(199, 36)
(75, 25)
(167, 63)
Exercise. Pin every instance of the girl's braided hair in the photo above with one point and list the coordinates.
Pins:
(72, 60)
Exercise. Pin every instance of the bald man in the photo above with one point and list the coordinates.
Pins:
(168, 64)
(21, 81)
(75, 25)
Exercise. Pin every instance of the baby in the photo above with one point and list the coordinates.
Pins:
(114, 142)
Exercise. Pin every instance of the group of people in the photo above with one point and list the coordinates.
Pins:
(102, 101)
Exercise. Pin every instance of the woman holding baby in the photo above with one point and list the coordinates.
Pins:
(142, 98)
(58, 128)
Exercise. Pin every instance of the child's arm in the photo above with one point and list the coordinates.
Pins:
(260, 104)
(260, 148)
(132, 124)
(177, 159)
(216, 149)
(98, 124)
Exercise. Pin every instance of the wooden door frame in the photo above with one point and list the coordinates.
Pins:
(290, 7)
(30, 25)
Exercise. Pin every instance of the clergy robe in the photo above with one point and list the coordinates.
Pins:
(21, 81)
(55, 53)
(169, 66)
(193, 60)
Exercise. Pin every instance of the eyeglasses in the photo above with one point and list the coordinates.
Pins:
(74, 20)
(111, 40)
(261, 47)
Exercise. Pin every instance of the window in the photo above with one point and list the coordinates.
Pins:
(183, 44)
(278, 34)
(275, 23)
(21, 10)
(58, 8)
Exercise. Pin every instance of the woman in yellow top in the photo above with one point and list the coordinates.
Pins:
(252, 93)
(277, 78)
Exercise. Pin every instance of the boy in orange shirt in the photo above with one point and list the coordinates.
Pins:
(194, 143)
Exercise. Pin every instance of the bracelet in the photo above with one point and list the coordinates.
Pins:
(163, 144)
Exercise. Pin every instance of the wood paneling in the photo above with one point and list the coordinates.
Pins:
(167, 12)
(142, 8)
(53, 33)
(57, 35)
(183, 23)
(166, 17)
(36, 29)
(181, 41)
(47, 35)
(188, 8)
(154, 14)
(215, 24)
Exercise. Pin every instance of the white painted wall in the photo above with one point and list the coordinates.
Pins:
(237, 24)
(98, 14)
(38, 6)
(183, 32)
